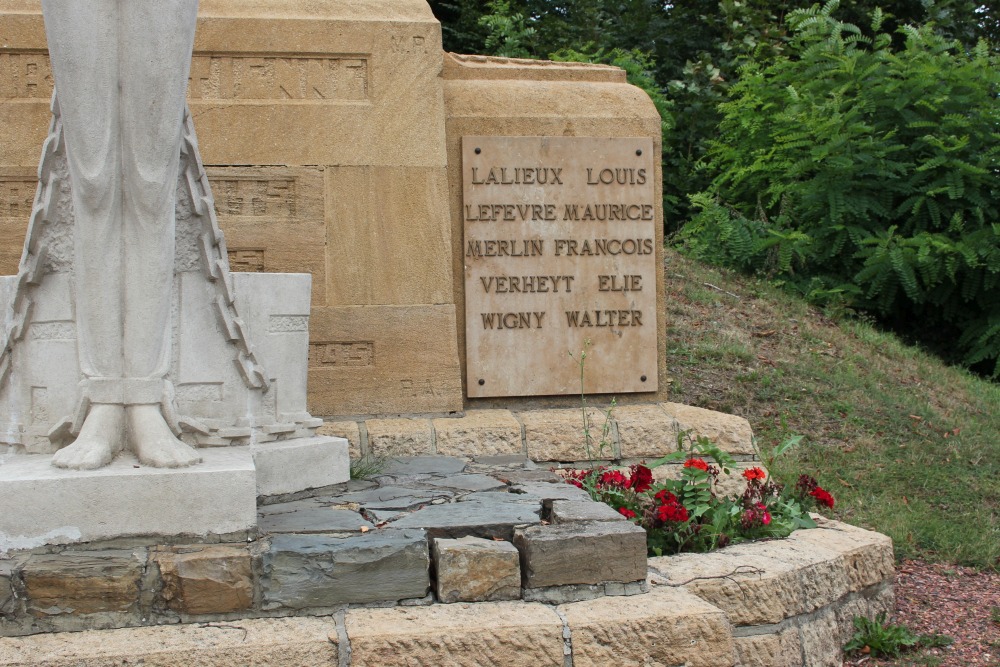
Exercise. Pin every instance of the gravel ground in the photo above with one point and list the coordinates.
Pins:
(962, 603)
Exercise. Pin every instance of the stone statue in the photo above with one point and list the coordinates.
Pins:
(121, 71)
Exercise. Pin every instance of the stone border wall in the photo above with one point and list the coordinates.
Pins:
(776, 604)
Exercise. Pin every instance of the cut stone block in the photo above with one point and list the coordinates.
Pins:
(83, 582)
(400, 437)
(302, 642)
(668, 626)
(557, 435)
(491, 633)
(645, 431)
(820, 639)
(479, 433)
(581, 553)
(320, 572)
(348, 430)
(6, 592)
(424, 465)
(310, 516)
(303, 463)
(41, 504)
(782, 649)
(472, 569)
(550, 491)
(730, 433)
(569, 511)
(868, 556)
(206, 580)
(489, 519)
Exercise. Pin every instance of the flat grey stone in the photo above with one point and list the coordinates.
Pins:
(555, 491)
(567, 511)
(465, 482)
(595, 552)
(313, 520)
(424, 465)
(394, 497)
(501, 497)
(502, 460)
(289, 507)
(524, 476)
(477, 519)
(384, 516)
(564, 594)
(319, 572)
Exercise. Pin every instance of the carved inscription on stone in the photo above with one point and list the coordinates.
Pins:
(560, 257)
(341, 354)
(313, 79)
(248, 260)
(254, 197)
(25, 75)
(16, 197)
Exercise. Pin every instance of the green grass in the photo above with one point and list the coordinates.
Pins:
(909, 446)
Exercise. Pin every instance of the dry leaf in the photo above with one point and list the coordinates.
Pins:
(365, 529)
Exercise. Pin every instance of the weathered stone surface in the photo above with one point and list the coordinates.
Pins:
(780, 649)
(479, 433)
(424, 465)
(870, 603)
(302, 642)
(387, 359)
(400, 437)
(645, 431)
(557, 435)
(581, 553)
(467, 482)
(803, 573)
(667, 626)
(394, 497)
(314, 571)
(519, 476)
(348, 430)
(206, 580)
(480, 519)
(569, 511)
(473, 569)
(297, 464)
(820, 639)
(83, 582)
(309, 516)
(551, 491)
(490, 633)
(6, 592)
(868, 556)
(729, 432)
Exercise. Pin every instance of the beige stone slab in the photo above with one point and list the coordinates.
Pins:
(302, 642)
(730, 433)
(558, 435)
(560, 256)
(667, 626)
(478, 433)
(488, 633)
(781, 649)
(476, 67)
(645, 431)
(767, 582)
(388, 243)
(820, 637)
(349, 430)
(82, 582)
(400, 437)
(383, 360)
(868, 556)
(213, 579)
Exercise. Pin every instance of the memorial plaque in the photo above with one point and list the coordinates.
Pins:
(560, 256)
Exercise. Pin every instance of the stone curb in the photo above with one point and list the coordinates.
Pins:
(633, 432)
(794, 608)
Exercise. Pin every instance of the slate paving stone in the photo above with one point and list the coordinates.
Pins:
(424, 465)
(501, 497)
(547, 491)
(466, 482)
(318, 519)
(478, 519)
(592, 552)
(524, 476)
(318, 571)
(568, 511)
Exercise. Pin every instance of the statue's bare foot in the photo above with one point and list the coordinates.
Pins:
(101, 438)
(153, 442)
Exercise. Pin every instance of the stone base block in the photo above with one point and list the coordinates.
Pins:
(594, 552)
(472, 569)
(303, 463)
(41, 504)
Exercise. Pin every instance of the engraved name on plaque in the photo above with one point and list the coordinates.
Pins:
(560, 256)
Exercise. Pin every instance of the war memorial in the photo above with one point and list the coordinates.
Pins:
(244, 243)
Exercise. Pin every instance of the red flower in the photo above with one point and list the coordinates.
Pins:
(641, 479)
(665, 497)
(672, 512)
(754, 473)
(822, 497)
(626, 512)
(575, 482)
(696, 463)
(766, 518)
(613, 478)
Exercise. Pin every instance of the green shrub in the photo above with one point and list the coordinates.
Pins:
(865, 175)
